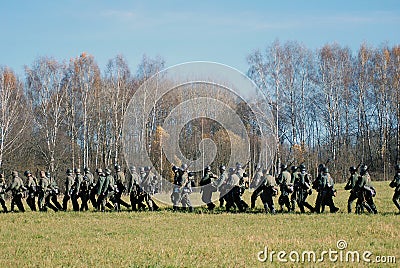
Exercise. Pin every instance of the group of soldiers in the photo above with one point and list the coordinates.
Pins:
(105, 192)
(294, 185)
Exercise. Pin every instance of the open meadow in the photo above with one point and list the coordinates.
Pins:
(202, 239)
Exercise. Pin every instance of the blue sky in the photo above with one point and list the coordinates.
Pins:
(181, 31)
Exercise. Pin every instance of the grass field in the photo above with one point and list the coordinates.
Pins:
(200, 239)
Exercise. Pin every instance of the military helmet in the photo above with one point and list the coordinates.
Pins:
(15, 173)
(208, 168)
(222, 168)
(302, 167)
(283, 167)
(397, 167)
(293, 168)
(184, 166)
(99, 170)
(117, 167)
(69, 171)
(108, 171)
(325, 170)
(231, 170)
(238, 165)
(47, 174)
(352, 169)
(147, 168)
(86, 169)
(321, 167)
(77, 170)
(133, 168)
(27, 173)
(265, 171)
(364, 168)
(141, 170)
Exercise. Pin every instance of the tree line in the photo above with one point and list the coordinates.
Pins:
(329, 105)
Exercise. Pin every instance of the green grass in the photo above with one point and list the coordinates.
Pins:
(200, 239)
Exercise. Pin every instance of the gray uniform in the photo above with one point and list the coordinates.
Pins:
(3, 188)
(17, 188)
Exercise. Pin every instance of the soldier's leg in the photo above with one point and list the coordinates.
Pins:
(54, 199)
(19, 204)
(31, 203)
(3, 204)
(65, 202)
(371, 204)
(229, 200)
(264, 199)
(92, 197)
(123, 203)
(75, 204)
(293, 200)
(49, 204)
(132, 198)
(254, 196)
(237, 200)
(287, 203)
(396, 197)
(317, 207)
(352, 197)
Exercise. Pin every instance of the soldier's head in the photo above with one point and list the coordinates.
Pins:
(133, 169)
(363, 169)
(147, 168)
(258, 167)
(15, 173)
(265, 171)
(238, 165)
(99, 171)
(231, 170)
(302, 168)
(117, 167)
(86, 169)
(283, 167)
(320, 167)
(325, 170)
(222, 168)
(47, 174)
(141, 170)
(77, 171)
(208, 168)
(293, 168)
(27, 173)
(42, 174)
(69, 171)
(397, 167)
(352, 169)
(108, 171)
(184, 167)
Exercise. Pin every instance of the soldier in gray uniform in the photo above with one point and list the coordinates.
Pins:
(92, 191)
(221, 185)
(328, 191)
(365, 192)
(3, 188)
(107, 191)
(32, 187)
(99, 187)
(42, 191)
(351, 183)
(76, 189)
(120, 181)
(134, 189)
(69, 182)
(395, 183)
(284, 179)
(187, 181)
(302, 185)
(294, 177)
(53, 193)
(234, 192)
(176, 190)
(148, 185)
(257, 186)
(207, 184)
(17, 188)
(269, 190)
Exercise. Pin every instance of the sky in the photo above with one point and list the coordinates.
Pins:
(182, 31)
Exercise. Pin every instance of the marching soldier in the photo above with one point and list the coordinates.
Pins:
(365, 192)
(120, 182)
(89, 179)
(302, 189)
(3, 188)
(107, 191)
(17, 188)
(256, 184)
(99, 187)
(42, 191)
(234, 192)
(134, 190)
(187, 181)
(294, 177)
(69, 182)
(31, 185)
(317, 185)
(149, 181)
(76, 189)
(53, 192)
(207, 184)
(328, 191)
(284, 179)
(221, 185)
(176, 190)
(269, 190)
(351, 183)
(395, 183)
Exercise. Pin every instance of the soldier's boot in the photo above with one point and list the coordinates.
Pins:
(373, 208)
(293, 204)
(210, 206)
(349, 207)
(190, 209)
(175, 208)
(221, 202)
